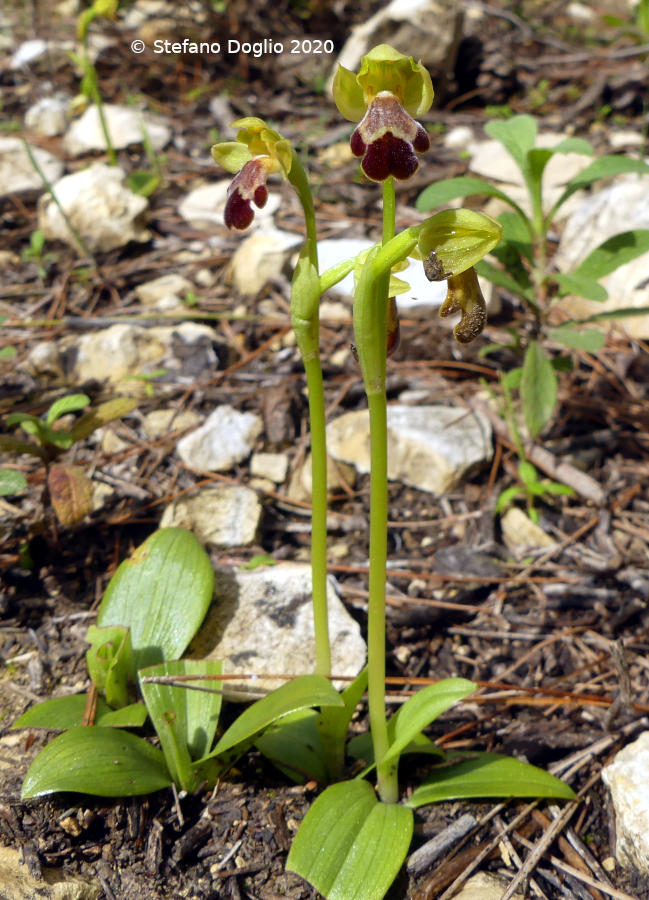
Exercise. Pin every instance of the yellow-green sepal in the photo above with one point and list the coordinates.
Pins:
(385, 69)
(261, 140)
(231, 156)
(348, 95)
(457, 239)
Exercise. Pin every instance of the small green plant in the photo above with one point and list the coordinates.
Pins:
(525, 264)
(34, 253)
(69, 488)
(147, 379)
(531, 488)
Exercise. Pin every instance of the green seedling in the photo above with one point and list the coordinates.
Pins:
(70, 491)
(34, 253)
(147, 379)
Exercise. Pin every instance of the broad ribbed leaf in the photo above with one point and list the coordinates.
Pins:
(589, 339)
(613, 253)
(301, 693)
(538, 389)
(162, 594)
(422, 709)
(517, 135)
(61, 713)
(349, 845)
(489, 775)
(107, 762)
(195, 705)
(11, 482)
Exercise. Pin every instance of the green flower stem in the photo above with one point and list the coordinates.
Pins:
(305, 308)
(370, 332)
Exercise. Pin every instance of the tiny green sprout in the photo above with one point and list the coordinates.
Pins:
(34, 253)
(147, 379)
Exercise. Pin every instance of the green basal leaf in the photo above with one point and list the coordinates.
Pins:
(458, 238)
(196, 704)
(62, 713)
(538, 389)
(143, 182)
(110, 662)
(422, 709)
(65, 405)
(574, 145)
(106, 762)
(613, 253)
(512, 379)
(516, 232)
(102, 415)
(489, 775)
(506, 497)
(8, 352)
(162, 594)
(537, 160)
(294, 745)
(11, 482)
(581, 286)
(517, 135)
(9, 444)
(552, 487)
(604, 167)
(301, 693)
(349, 844)
(527, 473)
(360, 747)
(589, 339)
(444, 191)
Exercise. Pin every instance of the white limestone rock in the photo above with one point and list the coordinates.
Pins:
(48, 116)
(261, 622)
(227, 515)
(100, 206)
(57, 884)
(485, 886)
(160, 422)
(226, 438)
(120, 351)
(622, 206)
(522, 535)
(261, 257)
(272, 466)
(126, 125)
(428, 30)
(627, 778)
(164, 293)
(429, 447)
(17, 174)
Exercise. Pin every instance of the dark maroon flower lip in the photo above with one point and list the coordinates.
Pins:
(387, 139)
(249, 186)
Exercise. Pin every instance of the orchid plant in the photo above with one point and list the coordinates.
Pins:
(352, 843)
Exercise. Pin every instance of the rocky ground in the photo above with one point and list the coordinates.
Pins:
(552, 624)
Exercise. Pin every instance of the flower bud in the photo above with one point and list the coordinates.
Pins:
(456, 239)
